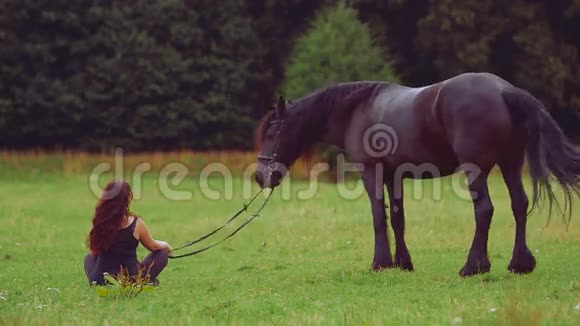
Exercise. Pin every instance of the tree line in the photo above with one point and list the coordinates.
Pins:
(198, 74)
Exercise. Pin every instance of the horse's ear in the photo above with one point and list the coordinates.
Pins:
(281, 107)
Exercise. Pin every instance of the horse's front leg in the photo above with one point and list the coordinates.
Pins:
(402, 256)
(374, 186)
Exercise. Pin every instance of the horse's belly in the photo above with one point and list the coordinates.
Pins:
(422, 171)
(419, 162)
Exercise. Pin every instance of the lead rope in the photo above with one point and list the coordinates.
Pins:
(245, 208)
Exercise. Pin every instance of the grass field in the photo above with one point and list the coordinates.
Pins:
(302, 262)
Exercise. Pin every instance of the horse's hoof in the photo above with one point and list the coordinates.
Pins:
(472, 269)
(380, 266)
(403, 261)
(522, 263)
(405, 265)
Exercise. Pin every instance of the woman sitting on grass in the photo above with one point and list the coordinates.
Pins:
(114, 238)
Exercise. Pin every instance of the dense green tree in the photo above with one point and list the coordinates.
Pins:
(336, 48)
(140, 74)
(39, 43)
(278, 24)
(533, 44)
(166, 74)
(515, 41)
(393, 24)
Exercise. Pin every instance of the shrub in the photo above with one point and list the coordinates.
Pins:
(124, 286)
(336, 48)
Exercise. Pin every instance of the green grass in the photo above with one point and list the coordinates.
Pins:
(302, 262)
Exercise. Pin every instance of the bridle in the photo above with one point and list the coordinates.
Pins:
(271, 161)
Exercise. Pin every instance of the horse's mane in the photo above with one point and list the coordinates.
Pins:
(262, 128)
(346, 96)
(342, 96)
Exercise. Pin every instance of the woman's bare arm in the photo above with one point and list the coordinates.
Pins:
(144, 236)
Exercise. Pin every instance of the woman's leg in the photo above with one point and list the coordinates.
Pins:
(90, 265)
(154, 263)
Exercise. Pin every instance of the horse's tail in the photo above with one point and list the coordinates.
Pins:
(550, 155)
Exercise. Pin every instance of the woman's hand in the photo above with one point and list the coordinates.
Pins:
(144, 236)
(165, 246)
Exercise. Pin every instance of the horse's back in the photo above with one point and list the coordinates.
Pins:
(418, 134)
(444, 124)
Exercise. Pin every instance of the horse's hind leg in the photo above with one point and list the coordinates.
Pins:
(478, 261)
(522, 259)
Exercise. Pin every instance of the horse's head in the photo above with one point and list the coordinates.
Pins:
(279, 143)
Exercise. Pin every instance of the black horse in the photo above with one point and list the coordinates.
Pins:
(472, 120)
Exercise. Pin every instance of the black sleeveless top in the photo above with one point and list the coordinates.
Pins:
(123, 252)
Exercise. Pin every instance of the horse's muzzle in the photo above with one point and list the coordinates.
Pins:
(268, 180)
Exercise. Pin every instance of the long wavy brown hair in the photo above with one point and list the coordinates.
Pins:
(110, 213)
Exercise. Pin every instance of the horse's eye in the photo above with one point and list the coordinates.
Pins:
(271, 132)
